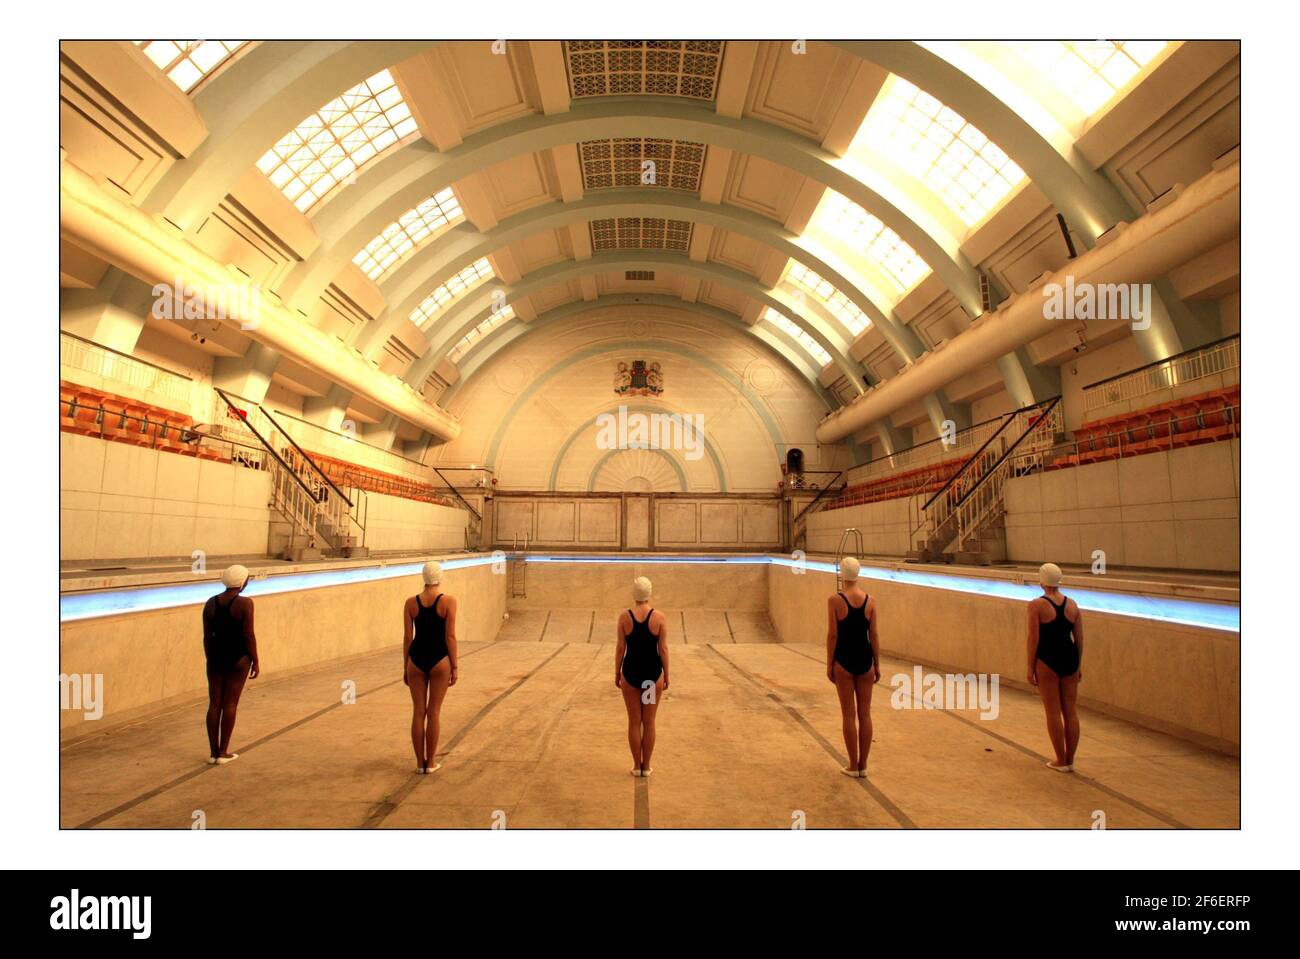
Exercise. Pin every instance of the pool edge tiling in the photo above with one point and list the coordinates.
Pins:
(1222, 616)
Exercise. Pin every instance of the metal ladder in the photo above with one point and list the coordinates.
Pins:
(840, 553)
(519, 569)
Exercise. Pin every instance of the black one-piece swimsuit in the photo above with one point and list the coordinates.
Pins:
(429, 644)
(1056, 646)
(853, 639)
(641, 662)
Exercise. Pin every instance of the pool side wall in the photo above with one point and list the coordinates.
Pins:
(1180, 680)
(155, 658)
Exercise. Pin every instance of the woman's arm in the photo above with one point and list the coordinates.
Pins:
(620, 648)
(663, 646)
(1032, 645)
(875, 637)
(1077, 627)
(453, 652)
(408, 630)
(207, 629)
(831, 630)
(250, 639)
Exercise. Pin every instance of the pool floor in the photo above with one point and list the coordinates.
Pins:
(534, 737)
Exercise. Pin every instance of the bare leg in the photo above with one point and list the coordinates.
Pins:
(848, 714)
(1049, 687)
(863, 685)
(1070, 713)
(419, 686)
(216, 682)
(232, 688)
(632, 702)
(648, 713)
(439, 677)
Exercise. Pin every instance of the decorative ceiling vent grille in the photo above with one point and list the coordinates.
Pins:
(641, 233)
(670, 68)
(639, 275)
(638, 162)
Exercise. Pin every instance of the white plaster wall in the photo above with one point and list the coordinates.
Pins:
(568, 402)
(886, 528)
(118, 501)
(1172, 510)
(393, 523)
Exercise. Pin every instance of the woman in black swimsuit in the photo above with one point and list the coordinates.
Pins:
(230, 647)
(429, 662)
(1055, 655)
(853, 663)
(641, 671)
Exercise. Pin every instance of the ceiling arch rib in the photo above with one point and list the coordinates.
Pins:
(436, 262)
(1090, 204)
(383, 193)
(249, 107)
(467, 313)
(779, 344)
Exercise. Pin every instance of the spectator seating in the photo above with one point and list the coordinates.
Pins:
(1206, 418)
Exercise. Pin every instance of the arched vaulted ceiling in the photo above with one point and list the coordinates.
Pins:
(786, 207)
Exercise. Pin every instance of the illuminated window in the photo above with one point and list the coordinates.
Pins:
(408, 233)
(862, 231)
(186, 62)
(840, 305)
(934, 143)
(1090, 72)
(338, 139)
(487, 326)
(453, 289)
(814, 348)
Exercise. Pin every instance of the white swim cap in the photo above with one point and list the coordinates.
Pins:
(641, 589)
(235, 577)
(432, 573)
(849, 567)
(1049, 574)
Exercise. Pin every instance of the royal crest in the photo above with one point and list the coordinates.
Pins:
(639, 379)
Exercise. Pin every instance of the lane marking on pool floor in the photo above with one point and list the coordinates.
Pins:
(591, 627)
(730, 629)
(207, 767)
(683, 615)
(1080, 777)
(544, 625)
(388, 806)
(874, 791)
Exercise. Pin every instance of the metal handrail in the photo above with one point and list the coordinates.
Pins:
(456, 492)
(302, 452)
(1011, 418)
(957, 512)
(816, 499)
(840, 554)
(269, 448)
(1012, 448)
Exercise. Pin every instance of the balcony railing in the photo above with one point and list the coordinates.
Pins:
(1197, 364)
(116, 368)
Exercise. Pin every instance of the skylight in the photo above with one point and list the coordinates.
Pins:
(814, 348)
(487, 326)
(408, 233)
(338, 139)
(186, 62)
(452, 290)
(844, 309)
(1090, 72)
(934, 143)
(867, 233)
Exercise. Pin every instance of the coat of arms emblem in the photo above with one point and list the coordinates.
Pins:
(639, 379)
